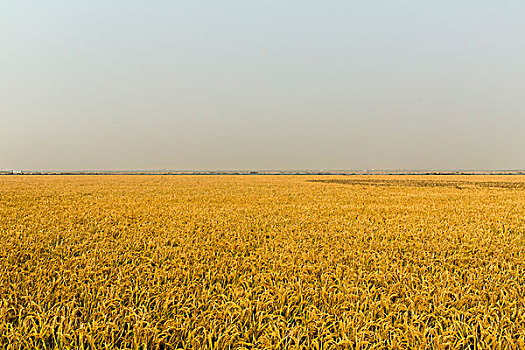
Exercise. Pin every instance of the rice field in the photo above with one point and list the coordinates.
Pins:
(262, 262)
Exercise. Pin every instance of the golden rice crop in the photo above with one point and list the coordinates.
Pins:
(262, 262)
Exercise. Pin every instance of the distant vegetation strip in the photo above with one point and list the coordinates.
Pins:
(264, 172)
(426, 183)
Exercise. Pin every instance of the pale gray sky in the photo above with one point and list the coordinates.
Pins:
(127, 84)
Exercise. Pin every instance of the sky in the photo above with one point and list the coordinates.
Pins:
(238, 85)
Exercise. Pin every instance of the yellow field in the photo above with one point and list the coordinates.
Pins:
(231, 262)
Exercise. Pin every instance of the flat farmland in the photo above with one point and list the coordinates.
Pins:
(262, 262)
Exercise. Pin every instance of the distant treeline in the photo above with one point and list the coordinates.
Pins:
(270, 172)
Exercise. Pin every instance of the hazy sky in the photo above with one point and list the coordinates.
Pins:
(126, 84)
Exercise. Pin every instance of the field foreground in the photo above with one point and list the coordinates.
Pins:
(262, 262)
